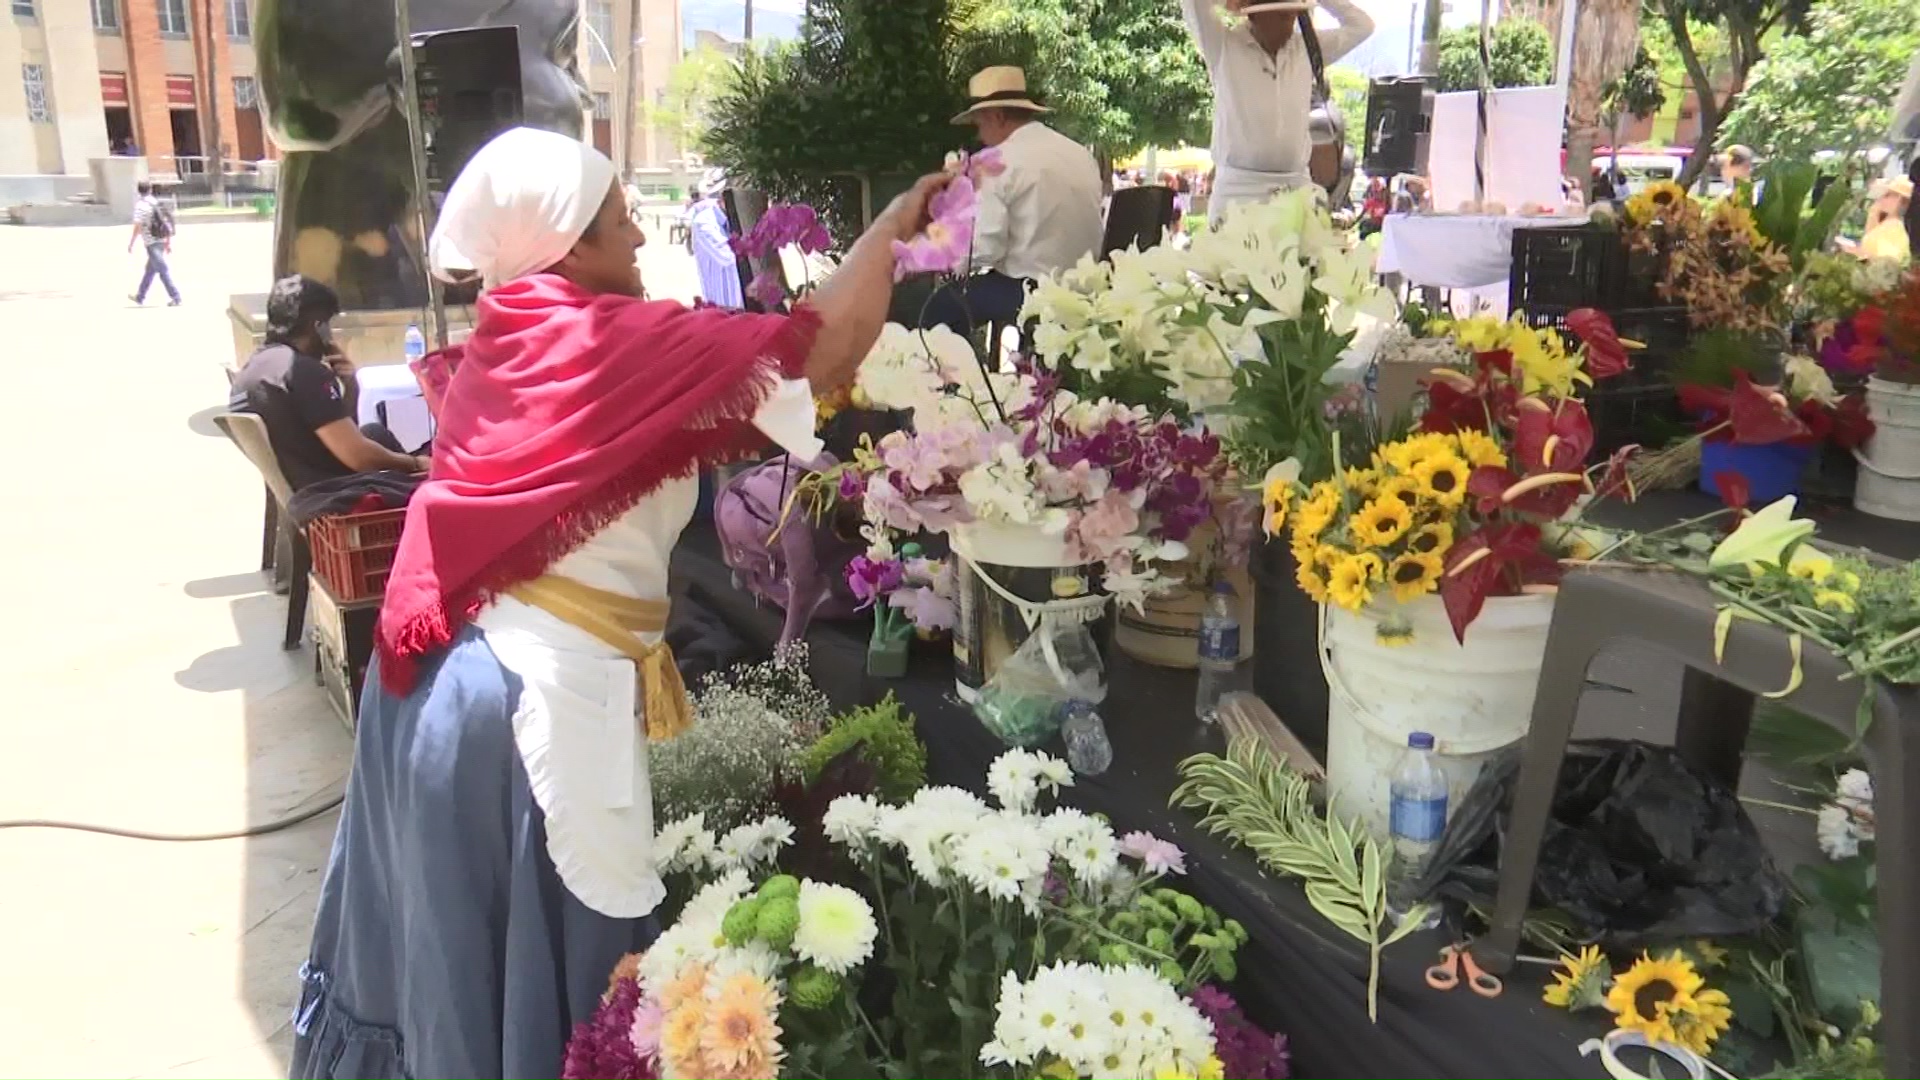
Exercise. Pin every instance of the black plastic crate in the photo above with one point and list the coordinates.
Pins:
(1564, 267)
(1639, 407)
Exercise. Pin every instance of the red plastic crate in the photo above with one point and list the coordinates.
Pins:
(352, 553)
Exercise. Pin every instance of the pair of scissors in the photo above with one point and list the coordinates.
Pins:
(1446, 974)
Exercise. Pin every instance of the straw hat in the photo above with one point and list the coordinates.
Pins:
(998, 88)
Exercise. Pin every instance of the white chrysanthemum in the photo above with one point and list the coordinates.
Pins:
(709, 905)
(1017, 777)
(851, 820)
(1004, 856)
(685, 844)
(837, 929)
(675, 948)
(1125, 1021)
(753, 844)
(1855, 784)
(1835, 832)
(755, 958)
(1086, 844)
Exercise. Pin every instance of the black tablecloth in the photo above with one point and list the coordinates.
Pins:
(1298, 975)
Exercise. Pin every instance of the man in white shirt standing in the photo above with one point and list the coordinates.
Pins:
(1263, 92)
(1041, 214)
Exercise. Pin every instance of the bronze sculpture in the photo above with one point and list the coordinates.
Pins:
(330, 77)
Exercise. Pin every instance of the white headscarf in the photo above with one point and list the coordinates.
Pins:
(519, 206)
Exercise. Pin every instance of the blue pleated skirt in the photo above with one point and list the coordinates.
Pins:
(445, 943)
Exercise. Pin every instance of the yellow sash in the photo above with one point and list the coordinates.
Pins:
(617, 620)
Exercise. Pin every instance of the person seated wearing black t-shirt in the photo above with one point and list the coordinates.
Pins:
(303, 388)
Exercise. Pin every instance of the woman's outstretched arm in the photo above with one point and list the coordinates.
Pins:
(853, 302)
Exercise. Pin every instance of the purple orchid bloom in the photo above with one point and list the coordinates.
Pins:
(871, 579)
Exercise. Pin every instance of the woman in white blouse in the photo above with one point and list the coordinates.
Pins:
(492, 862)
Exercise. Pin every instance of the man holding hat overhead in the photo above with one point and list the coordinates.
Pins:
(1041, 214)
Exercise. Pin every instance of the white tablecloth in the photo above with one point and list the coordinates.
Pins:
(1453, 251)
(393, 386)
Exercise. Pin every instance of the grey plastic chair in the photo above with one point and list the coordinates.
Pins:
(249, 433)
(1676, 614)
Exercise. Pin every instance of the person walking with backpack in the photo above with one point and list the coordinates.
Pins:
(153, 226)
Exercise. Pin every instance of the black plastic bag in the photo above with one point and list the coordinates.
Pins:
(1639, 848)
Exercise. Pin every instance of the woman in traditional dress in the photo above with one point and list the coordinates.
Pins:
(492, 863)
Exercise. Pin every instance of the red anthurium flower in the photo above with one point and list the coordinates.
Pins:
(1492, 561)
(1616, 482)
(1554, 438)
(1761, 417)
(1606, 355)
(1734, 490)
(1490, 486)
(1852, 427)
(1452, 406)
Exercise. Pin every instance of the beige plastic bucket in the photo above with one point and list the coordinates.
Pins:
(1474, 699)
(1166, 631)
(1889, 482)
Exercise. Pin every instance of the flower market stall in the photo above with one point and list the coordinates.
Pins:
(1020, 853)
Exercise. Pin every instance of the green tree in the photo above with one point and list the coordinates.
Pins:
(1520, 53)
(866, 92)
(1121, 75)
(1744, 25)
(701, 78)
(1831, 88)
(1350, 94)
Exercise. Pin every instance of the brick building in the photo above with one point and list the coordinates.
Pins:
(103, 75)
(100, 76)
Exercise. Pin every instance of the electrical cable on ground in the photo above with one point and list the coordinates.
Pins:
(182, 838)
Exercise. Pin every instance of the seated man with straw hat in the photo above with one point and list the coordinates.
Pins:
(1041, 214)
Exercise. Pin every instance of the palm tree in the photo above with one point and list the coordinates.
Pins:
(1606, 38)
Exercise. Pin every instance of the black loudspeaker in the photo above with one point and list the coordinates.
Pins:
(1399, 125)
(469, 92)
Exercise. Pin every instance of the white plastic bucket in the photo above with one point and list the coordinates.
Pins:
(1474, 699)
(1889, 480)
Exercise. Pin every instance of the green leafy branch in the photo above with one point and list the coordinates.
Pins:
(1270, 810)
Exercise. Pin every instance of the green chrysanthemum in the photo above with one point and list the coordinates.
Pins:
(778, 921)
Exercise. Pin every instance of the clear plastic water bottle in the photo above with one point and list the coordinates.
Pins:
(1088, 750)
(1219, 653)
(1417, 817)
(416, 343)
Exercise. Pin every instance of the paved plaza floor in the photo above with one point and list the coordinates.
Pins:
(141, 652)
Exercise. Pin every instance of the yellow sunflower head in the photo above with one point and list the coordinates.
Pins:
(1443, 478)
(1646, 997)
(1701, 1019)
(1360, 481)
(1580, 982)
(1404, 488)
(1311, 581)
(1382, 521)
(1432, 539)
(1350, 583)
(1414, 575)
(1482, 450)
(1313, 514)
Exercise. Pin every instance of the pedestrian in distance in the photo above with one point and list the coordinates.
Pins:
(153, 226)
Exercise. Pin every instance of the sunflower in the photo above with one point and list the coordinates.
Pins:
(1443, 478)
(1651, 992)
(1360, 480)
(741, 1036)
(1432, 539)
(1393, 632)
(1657, 201)
(1583, 985)
(1382, 521)
(1703, 1019)
(1311, 581)
(1481, 450)
(1404, 488)
(1316, 511)
(1409, 453)
(1413, 576)
(1350, 583)
(1737, 221)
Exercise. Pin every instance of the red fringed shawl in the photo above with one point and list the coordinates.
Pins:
(566, 410)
